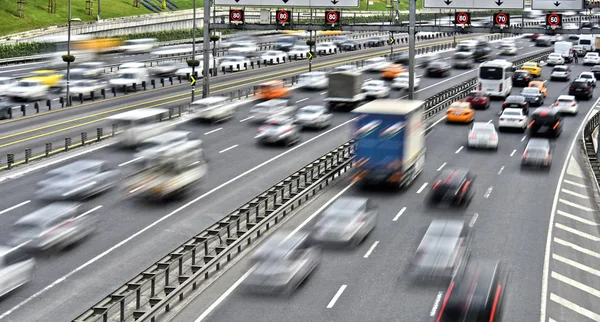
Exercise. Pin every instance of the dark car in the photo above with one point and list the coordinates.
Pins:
(477, 296)
(596, 71)
(482, 53)
(538, 153)
(533, 96)
(349, 45)
(438, 69)
(545, 122)
(478, 100)
(543, 41)
(581, 88)
(400, 57)
(376, 41)
(285, 43)
(521, 78)
(515, 101)
(453, 188)
(6, 106)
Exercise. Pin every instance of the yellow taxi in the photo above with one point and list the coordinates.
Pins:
(460, 112)
(48, 77)
(273, 89)
(533, 68)
(541, 85)
(392, 71)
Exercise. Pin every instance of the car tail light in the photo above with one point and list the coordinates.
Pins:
(571, 88)
(287, 129)
(505, 104)
(572, 104)
(556, 125)
(437, 184)
(262, 128)
(501, 119)
(479, 87)
(473, 135)
(587, 88)
(500, 88)
(525, 154)
(493, 137)
(547, 157)
(523, 104)
(530, 124)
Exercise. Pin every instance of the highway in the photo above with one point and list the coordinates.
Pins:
(125, 241)
(511, 213)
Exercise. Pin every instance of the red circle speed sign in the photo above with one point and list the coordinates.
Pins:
(332, 16)
(462, 18)
(501, 19)
(554, 20)
(236, 15)
(283, 16)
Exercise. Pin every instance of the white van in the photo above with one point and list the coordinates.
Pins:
(565, 49)
(128, 77)
(215, 108)
(587, 41)
(141, 124)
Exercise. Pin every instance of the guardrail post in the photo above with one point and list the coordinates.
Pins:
(81, 98)
(171, 79)
(83, 138)
(144, 85)
(179, 78)
(36, 106)
(49, 104)
(153, 83)
(23, 109)
(134, 87)
(10, 113)
(125, 89)
(67, 143)
(10, 159)
(170, 113)
(114, 91)
(48, 148)
(99, 133)
(27, 155)
(93, 95)
(114, 129)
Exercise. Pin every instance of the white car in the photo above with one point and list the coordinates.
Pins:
(86, 87)
(513, 118)
(589, 76)
(314, 116)
(28, 90)
(183, 72)
(5, 84)
(566, 104)
(313, 80)
(507, 42)
(234, 63)
(326, 48)
(555, 59)
(509, 49)
(376, 89)
(376, 64)
(92, 69)
(243, 49)
(483, 135)
(401, 81)
(131, 65)
(16, 268)
(165, 68)
(273, 57)
(299, 52)
(591, 59)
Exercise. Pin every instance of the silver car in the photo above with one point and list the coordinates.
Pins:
(282, 263)
(562, 72)
(348, 221)
(483, 135)
(53, 227)
(271, 108)
(538, 153)
(443, 252)
(508, 49)
(314, 116)
(78, 180)
(16, 268)
(278, 130)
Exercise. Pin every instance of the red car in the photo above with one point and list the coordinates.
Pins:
(535, 36)
(478, 100)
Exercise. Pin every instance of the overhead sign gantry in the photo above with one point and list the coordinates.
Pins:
(557, 5)
(475, 4)
(290, 3)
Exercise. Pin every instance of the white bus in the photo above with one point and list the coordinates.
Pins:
(139, 125)
(495, 77)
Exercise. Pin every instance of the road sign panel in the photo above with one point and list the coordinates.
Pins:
(554, 19)
(283, 16)
(292, 3)
(332, 17)
(462, 18)
(501, 19)
(474, 4)
(557, 5)
(236, 16)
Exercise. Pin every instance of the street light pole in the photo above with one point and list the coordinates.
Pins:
(412, 16)
(98, 18)
(69, 54)
(194, 51)
(206, 49)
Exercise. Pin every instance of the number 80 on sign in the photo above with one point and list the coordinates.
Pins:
(236, 16)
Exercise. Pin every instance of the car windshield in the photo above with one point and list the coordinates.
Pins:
(554, 56)
(311, 109)
(460, 105)
(491, 73)
(511, 113)
(560, 69)
(374, 84)
(483, 130)
(521, 73)
(586, 76)
(565, 101)
(26, 230)
(530, 90)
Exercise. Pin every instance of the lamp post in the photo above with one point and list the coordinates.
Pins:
(194, 50)
(69, 54)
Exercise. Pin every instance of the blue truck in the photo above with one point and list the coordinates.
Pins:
(389, 142)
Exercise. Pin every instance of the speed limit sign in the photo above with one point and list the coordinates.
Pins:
(462, 18)
(554, 20)
(236, 16)
(501, 19)
(283, 16)
(332, 17)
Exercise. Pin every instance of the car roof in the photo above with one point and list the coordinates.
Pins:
(48, 213)
(452, 176)
(580, 80)
(446, 228)
(522, 71)
(566, 97)
(538, 143)
(561, 67)
(278, 119)
(167, 136)
(517, 110)
(77, 166)
(272, 102)
(542, 111)
(483, 125)
(347, 204)
(513, 98)
(312, 107)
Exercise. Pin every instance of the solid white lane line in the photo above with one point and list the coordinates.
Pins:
(371, 249)
(513, 153)
(575, 183)
(422, 188)
(323, 93)
(89, 211)
(576, 247)
(577, 232)
(572, 204)
(488, 192)
(459, 149)
(368, 79)
(574, 307)
(577, 218)
(473, 220)
(130, 161)
(490, 121)
(523, 138)
(576, 284)
(501, 169)
(213, 131)
(14, 207)
(436, 303)
(577, 265)
(573, 193)
(399, 214)
(441, 167)
(336, 296)
(302, 100)
(229, 148)
(246, 119)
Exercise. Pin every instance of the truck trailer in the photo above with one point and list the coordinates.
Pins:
(345, 91)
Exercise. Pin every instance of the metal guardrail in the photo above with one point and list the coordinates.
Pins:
(167, 282)
(587, 145)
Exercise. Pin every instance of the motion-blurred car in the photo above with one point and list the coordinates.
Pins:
(438, 69)
(533, 68)
(16, 268)
(236, 39)
(555, 59)
(428, 59)
(50, 78)
(508, 49)
(591, 59)
(299, 52)
(452, 188)
(538, 153)
(273, 89)
(345, 68)
(543, 41)
(521, 78)
(313, 80)
(541, 85)
(581, 88)
(53, 227)
(87, 87)
(212, 109)
(349, 45)
(127, 77)
(566, 104)
(596, 71)
(285, 43)
(443, 252)
(278, 129)
(246, 49)
(483, 135)
(5, 84)
(349, 220)
(376, 89)
(400, 57)
(314, 116)
(515, 101)
(6, 106)
(133, 65)
(562, 72)
(282, 263)
(546, 122)
(376, 64)
(377, 41)
(477, 296)
(460, 112)
(273, 57)
(589, 76)
(28, 90)
(326, 48)
(513, 118)
(401, 81)
(478, 100)
(579, 50)
(92, 69)
(153, 146)
(462, 60)
(78, 180)
(164, 69)
(338, 40)
(234, 63)
(271, 108)
(533, 96)
(392, 71)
